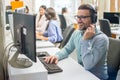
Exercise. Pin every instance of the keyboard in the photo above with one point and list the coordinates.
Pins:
(51, 68)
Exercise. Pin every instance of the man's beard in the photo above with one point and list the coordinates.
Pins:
(83, 28)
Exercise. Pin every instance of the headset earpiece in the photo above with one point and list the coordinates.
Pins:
(93, 15)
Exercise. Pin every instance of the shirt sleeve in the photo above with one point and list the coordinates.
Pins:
(69, 47)
(45, 34)
(92, 52)
(52, 34)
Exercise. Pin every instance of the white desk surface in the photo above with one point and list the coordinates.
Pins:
(115, 30)
(44, 44)
(35, 72)
(71, 69)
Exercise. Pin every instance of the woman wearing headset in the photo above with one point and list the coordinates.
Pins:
(53, 31)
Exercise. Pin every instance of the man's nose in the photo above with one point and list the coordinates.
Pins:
(79, 20)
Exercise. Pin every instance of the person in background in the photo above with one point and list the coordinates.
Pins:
(41, 21)
(53, 31)
(69, 19)
(26, 9)
(91, 44)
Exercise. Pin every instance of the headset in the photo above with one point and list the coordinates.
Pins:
(93, 15)
(48, 16)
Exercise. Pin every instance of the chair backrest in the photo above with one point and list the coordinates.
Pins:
(105, 26)
(113, 58)
(66, 35)
(63, 23)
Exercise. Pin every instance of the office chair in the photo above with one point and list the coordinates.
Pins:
(113, 58)
(63, 23)
(66, 35)
(105, 26)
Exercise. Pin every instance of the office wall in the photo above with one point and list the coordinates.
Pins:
(115, 5)
(104, 5)
(1, 30)
(1, 38)
(112, 7)
(72, 5)
(118, 5)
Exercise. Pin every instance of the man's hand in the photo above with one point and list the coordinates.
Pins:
(51, 59)
(89, 33)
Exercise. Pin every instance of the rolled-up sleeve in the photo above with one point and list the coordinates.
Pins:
(69, 47)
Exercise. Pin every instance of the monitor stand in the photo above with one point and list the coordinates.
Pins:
(19, 62)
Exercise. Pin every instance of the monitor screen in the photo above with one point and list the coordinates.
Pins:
(113, 17)
(24, 34)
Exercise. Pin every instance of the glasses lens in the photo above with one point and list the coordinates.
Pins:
(81, 17)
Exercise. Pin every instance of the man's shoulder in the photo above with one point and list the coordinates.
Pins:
(76, 33)
(101, 36)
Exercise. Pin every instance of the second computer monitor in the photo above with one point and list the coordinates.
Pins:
(113, 17)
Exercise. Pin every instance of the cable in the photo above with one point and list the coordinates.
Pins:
(8, 46)
(5, 59)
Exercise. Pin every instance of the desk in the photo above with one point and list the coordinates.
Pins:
(44, 44)
(71, 69)
(116, 31)
(35, 72)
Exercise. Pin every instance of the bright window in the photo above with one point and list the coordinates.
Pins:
(38, 3)
(72, 5)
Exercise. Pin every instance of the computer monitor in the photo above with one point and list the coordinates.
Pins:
(20, 10)
(24, 39)
(113, 17)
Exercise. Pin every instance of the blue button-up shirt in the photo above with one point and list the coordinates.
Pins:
(53, 32)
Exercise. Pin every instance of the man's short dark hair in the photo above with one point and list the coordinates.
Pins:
(92, 11)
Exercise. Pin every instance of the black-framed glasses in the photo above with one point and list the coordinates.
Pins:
(81, 17)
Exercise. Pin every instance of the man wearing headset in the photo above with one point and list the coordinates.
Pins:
(91, 45)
